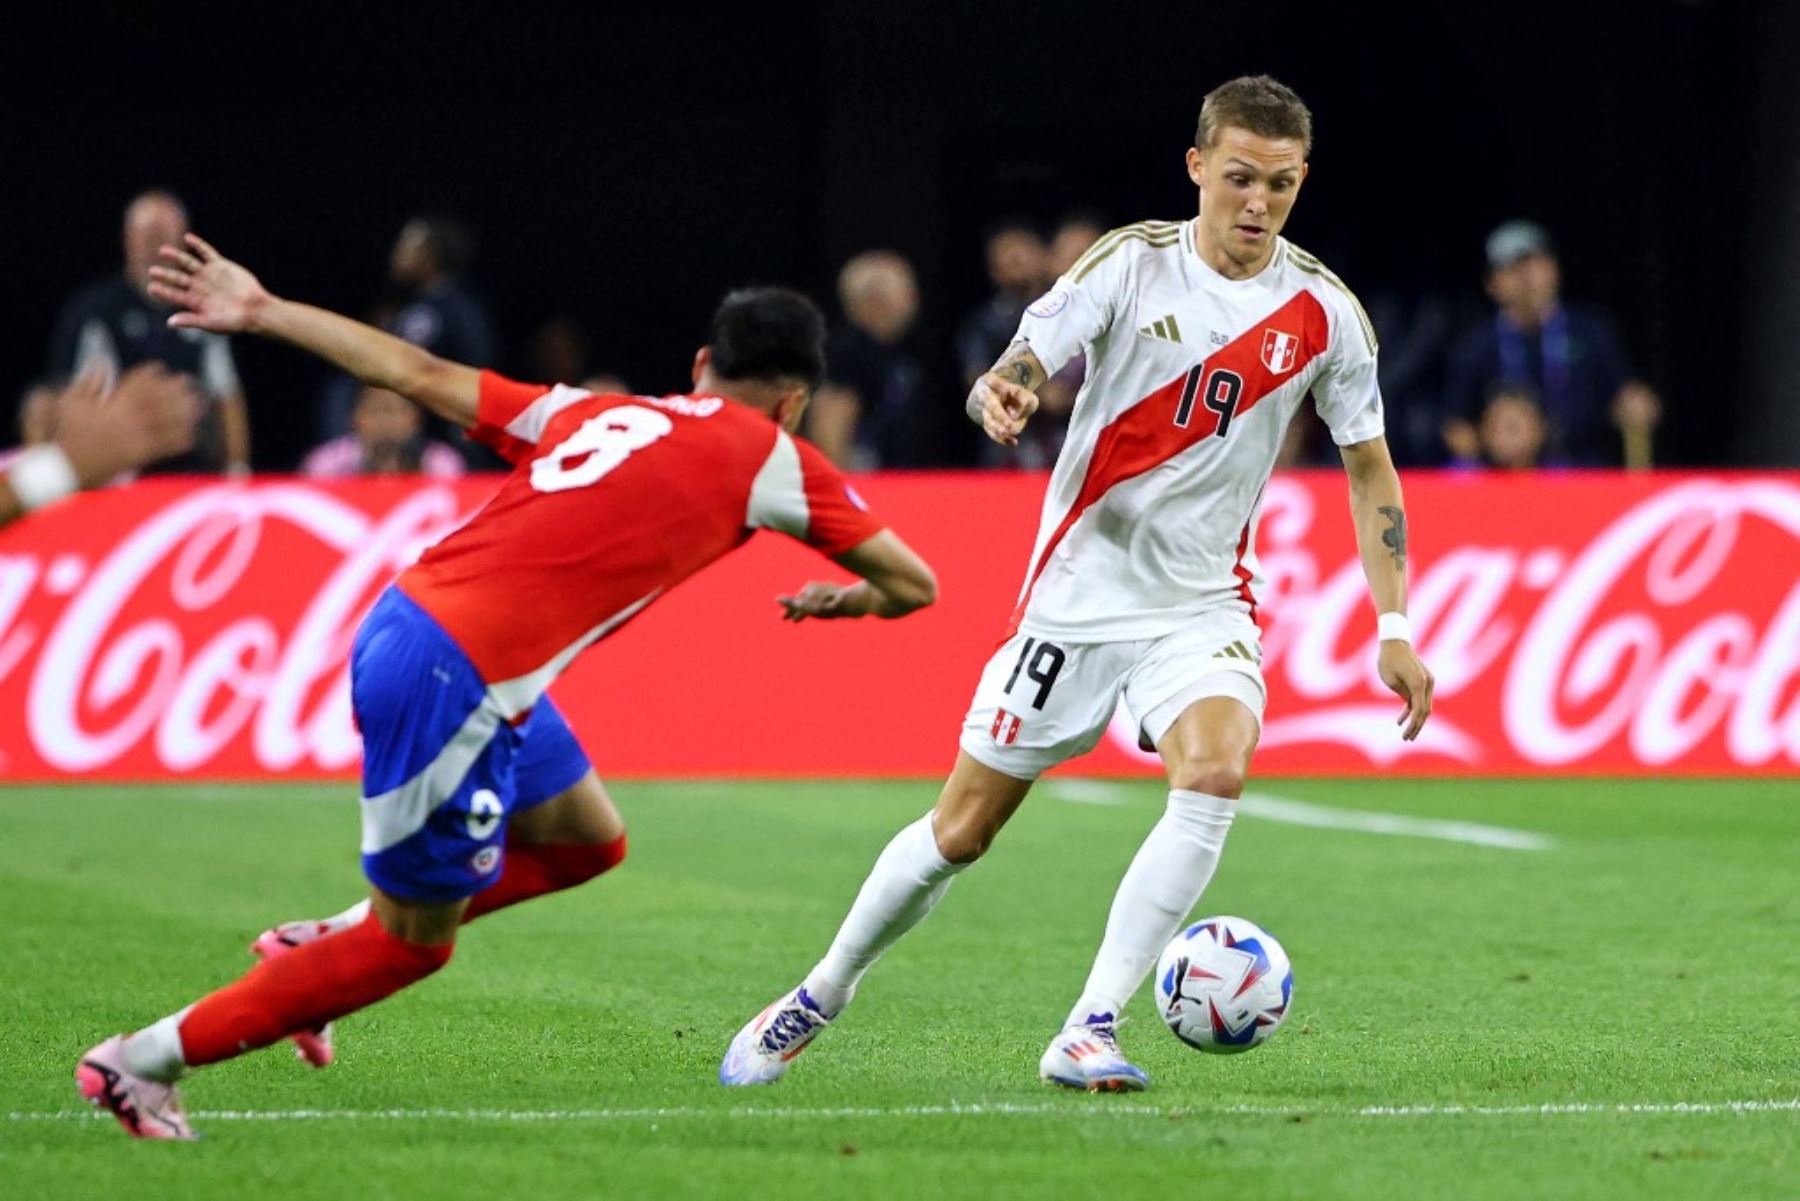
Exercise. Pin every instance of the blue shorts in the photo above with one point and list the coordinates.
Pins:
(442, 770)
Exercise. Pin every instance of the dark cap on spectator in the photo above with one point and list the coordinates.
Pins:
(1516, 240)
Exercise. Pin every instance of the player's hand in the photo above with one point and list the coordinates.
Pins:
(819, 600)
(1411, 681)
(214, 293)
(1005, 408)
(150, 415)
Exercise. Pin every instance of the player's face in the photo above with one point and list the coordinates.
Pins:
(1248, 184)
(383, 418)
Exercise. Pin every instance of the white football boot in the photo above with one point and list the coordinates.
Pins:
(1086, 1055)
(762, 1050)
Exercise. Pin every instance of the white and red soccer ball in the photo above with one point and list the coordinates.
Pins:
(1223, 985)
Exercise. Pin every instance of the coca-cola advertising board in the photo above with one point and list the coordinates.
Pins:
(1577, 623)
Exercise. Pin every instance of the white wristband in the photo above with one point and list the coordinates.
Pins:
(41, 475)
(1393, 627)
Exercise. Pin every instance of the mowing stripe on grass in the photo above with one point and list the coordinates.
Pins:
(1299, 813)
(1000, 1109)
(1326, 817)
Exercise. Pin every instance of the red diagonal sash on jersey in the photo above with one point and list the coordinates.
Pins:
(1145, 435)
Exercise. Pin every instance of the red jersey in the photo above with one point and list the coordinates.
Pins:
(613, 501)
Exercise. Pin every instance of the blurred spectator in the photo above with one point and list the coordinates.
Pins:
(557, 353)
(1414, 330)
(1018, 267)
(1595, 413)
(1512, 430)
(115, 325)
(1078, 230)
(873, 410)
(387, 437)
(438, 311)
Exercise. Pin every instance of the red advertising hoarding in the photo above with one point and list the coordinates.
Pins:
(1577, 623)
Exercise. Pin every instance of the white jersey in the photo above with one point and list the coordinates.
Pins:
(1192, 378)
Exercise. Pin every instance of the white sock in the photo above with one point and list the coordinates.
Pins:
(352, 916)
(906, 883)
(155, 1051)
(1160, 888)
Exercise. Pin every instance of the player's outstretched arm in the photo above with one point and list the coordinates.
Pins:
(1003, 400)
(895, 582)
(149, 415)
(1380, 515)
(217, 294)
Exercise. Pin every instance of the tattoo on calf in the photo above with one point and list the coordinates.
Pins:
(1394, 538)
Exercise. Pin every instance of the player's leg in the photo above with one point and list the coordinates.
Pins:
(913, 872)
(563, 831)
(1206, 731)
(398, 944)
(436, 781)
(909, 878)
(1206, 754)
(568, 840)
(1021, 724)
(564, 828)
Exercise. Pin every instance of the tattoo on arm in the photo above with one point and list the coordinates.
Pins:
(1018, 371)
(1394, 537)
(1017, 366)
(1020, 366)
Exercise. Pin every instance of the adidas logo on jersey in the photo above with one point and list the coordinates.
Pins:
(1165, 329)
(1238, 650)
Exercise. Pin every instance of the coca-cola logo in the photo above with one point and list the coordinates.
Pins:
(122, 664)
(1573, 623)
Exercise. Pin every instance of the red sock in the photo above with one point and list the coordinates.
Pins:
(533, 869)
(305, 988)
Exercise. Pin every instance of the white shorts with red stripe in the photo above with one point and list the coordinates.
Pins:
(1042, 701)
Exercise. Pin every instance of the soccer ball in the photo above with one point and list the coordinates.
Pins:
(1223, 985)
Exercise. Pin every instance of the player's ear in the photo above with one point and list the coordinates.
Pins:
(702, 357)
(1196, 166)
(790, 407)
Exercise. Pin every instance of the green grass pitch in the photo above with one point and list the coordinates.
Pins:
(1575, 1021)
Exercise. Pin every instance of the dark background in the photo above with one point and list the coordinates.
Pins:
(627, 166)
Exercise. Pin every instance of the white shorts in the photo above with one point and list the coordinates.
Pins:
(1041, 701)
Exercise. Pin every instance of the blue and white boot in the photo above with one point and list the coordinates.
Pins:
(1086, 1055)
(761, 1052)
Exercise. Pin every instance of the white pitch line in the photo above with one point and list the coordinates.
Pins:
(977, 1109)
(1324, 817)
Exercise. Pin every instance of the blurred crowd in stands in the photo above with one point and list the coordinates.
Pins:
(1522, 379)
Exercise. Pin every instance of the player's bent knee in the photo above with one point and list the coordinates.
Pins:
(963, 838)
(583, 862)
(419, 960)
(1214, 777)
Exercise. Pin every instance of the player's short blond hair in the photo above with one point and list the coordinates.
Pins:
(1259, 104)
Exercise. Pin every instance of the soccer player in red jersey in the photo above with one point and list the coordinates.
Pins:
(475, 794)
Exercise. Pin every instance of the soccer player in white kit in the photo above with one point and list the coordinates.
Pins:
(1203, 338)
